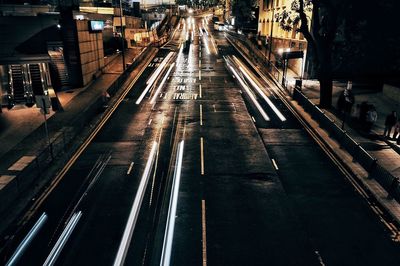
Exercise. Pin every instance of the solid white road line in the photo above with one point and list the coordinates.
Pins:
(202, 155)
(204, 231)
(130, 168)
(170, 226)
(133, 215)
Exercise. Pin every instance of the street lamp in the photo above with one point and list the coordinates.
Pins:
(122, 36)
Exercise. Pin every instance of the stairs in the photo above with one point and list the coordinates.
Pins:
(58, 64)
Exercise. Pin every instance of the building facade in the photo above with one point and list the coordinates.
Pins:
(275, 38)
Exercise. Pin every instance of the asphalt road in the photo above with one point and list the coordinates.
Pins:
(249, 191)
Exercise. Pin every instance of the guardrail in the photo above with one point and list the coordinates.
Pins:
(375, 171)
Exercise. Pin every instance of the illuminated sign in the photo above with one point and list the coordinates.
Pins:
(96, 25)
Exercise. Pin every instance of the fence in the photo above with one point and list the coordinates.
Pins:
(371, 165)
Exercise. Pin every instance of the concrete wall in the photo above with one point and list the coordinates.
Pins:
(91, 51)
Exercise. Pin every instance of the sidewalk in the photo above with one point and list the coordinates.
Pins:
(25, 132)
(16, 124)
(385, 151)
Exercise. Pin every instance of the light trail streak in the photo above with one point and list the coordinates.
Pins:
(170, 226)
(133, 215)
(27, 240)
(250, 77)
(152, 79)
(253, 99)
(62, 240)
(162, 84)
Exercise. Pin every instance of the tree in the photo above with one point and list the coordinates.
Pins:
(242, 10)
(325, 19)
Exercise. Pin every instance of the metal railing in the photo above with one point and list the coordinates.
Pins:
(375, 171)
(369, 163)
(60, 145)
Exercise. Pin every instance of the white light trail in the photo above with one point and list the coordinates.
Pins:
(27, 240)
(162, 84)
(62, 240)
(207, 48)
(153, 78)
(161, 66)
(254, 100)
(260, 92)
(133, 215)
(170, 226)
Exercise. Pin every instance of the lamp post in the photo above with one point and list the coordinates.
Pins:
(271, 32)
(122, 36)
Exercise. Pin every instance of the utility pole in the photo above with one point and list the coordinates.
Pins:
(122, 36)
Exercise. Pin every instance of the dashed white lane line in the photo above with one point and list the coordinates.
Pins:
(201, 114)
(275, 164)
(202, 156)
(130, 168)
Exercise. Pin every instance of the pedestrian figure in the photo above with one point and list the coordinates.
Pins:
(345, 103)
(371, 118)
(390, 121)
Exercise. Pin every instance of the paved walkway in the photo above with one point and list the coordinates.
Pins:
(18, 123)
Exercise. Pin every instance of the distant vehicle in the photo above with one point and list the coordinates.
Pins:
(186, 44)
(219, 26)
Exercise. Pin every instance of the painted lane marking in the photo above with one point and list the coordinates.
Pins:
(130, 168)
(200, 92)
(201, 114)
(275, 164)
(202, 155)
